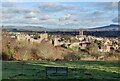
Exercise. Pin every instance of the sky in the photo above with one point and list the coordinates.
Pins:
(59, 14)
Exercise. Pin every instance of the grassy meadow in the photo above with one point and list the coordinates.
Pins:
(77, 69)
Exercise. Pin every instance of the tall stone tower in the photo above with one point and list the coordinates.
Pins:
(56, 42)
(81, 32)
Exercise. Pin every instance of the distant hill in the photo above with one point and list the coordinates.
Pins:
(111, 27)
(25, 28)
(34, 28)
(105, 31)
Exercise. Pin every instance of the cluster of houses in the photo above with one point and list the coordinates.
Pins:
(82, 41)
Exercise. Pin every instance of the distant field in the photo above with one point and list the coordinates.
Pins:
(77, 70)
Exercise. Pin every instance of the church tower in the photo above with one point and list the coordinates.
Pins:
(80, 32)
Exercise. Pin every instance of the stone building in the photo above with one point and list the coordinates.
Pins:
(106, 48)
(84, 45)
(21, 37)
(56, 42)
(26, 37)
(44, 36)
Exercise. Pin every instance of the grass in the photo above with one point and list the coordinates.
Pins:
(77, 69)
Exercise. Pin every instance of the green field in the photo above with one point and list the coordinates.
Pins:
(77, 69)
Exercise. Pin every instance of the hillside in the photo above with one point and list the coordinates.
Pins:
(25, 28)
(78, 70)
(111, 27)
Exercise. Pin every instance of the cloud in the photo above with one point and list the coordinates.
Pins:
(10, 0)
(40, 15)
(59, 14)
(45, 17)
(97, 13)
(54, 7)
(19, 15)
(8, 4)
(21, 20)
(10, 13)
(107, 5)
(68, 19)
(65, 17)
(116, 19)
(31, 15)
(13, 8)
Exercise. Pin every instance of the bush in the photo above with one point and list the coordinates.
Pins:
(71, 56)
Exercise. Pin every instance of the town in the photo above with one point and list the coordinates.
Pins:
(59, 40)
(59, 47)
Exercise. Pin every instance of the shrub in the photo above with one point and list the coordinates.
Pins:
(5, 56)
(71, 56)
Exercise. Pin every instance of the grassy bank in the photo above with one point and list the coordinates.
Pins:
(77, 69)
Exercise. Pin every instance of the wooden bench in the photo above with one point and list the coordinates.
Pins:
(57, 71)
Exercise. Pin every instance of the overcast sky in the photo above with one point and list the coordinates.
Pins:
(60, 14)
